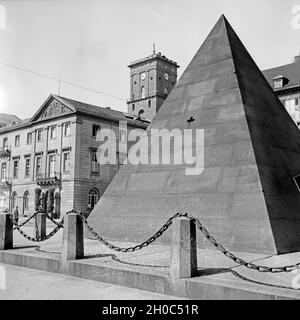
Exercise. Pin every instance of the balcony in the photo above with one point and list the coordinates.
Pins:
(5, 152)
(5, 184)
(51, 178)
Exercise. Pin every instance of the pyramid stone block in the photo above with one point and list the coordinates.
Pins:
(246, 195)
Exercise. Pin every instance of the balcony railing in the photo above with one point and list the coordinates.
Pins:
(95, 167)
(48, 178)
(5, 152)
(5, 183)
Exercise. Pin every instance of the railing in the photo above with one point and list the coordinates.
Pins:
(5, 182)
(95, 167)
(48, 178)
(5, 152)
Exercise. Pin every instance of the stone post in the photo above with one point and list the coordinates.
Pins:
(73, 245)
(183, 249)
(40, 225)
(6, 232)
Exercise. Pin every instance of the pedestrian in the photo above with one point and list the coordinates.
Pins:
(16, 215)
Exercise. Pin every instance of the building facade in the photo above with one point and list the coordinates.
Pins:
(285, 81)
(51, 159)
(151, 80)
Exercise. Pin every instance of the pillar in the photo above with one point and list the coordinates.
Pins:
(183, 249)
(6, 232)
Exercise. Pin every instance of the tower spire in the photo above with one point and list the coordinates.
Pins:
(153, 48)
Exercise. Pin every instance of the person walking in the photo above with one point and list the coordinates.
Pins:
(16, 215)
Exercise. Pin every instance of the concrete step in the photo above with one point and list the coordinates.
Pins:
(216, 286)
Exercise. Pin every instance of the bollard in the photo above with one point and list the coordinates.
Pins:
(40, 225)
(73, 246)
(183, 249)
(6, 232)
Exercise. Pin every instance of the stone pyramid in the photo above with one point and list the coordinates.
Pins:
(246, 196)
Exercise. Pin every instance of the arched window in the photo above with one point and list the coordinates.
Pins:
(143, 92)
(93, 198)
(14, 200)
(26, 201)
(141, 112)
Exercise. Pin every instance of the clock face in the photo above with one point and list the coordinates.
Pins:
(166, 76)
(143, 76)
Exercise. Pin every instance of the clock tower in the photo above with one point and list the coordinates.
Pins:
(151, 80)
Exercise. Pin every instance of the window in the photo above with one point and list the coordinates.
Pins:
(141, 113)
(143, 92)
(149, 103)
(27, 167)
(51, 168)
(93, 198)
(67, 129)
(280, 81)
(123, 135)
(16, 169)
(17, 141)
(26, 200)
(38, 166)
(52, 132)
(96, 131)
(95, 164)
(133, 107)
(5, 143)
(3, 171)
(2, 200)
(29, 138)
(39, 134)
(66, 161)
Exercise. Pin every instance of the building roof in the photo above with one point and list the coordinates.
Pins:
(83, 108)
(152, 57)
(289, 71)
(7, 119)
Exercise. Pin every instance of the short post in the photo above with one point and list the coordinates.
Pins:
(6, 232)
(40, 225)
(73, 245)
(183, 249)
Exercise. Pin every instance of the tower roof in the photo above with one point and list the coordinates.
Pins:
(153, 56)
(246, 195)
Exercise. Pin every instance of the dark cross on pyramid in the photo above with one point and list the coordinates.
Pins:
(246, 196)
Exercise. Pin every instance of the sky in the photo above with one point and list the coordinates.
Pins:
(91, 42)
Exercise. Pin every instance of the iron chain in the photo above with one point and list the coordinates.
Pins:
(158, 234)
(130, 249)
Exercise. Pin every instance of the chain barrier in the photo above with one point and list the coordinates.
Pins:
(59, 225)
(27, 220)
(158, 234)
(204, 232)
(130, 249)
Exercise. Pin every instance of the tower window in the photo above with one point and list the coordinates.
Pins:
(93, 198)
(96, 131)
(143, 92)
(149, 103)
(141, 113)
(133, 107)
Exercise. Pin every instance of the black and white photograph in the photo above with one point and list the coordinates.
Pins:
(149, 153)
